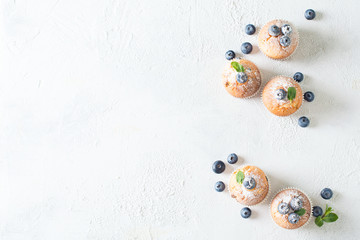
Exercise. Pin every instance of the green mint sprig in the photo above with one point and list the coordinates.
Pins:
(328, 216)
(238, 67)
(240, 177)
(291, 93)
(300, 212)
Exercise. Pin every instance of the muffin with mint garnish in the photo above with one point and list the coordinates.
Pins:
(291, 208)
(282, 96)
(241, 78)
(249, 185)
(278, 39)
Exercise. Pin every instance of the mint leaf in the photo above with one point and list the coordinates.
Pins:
(291, 93)
(318, 221)
(300, 212)
(240, 177)
(238, 67)
(331, 217)
(327, 210)
(242, 69)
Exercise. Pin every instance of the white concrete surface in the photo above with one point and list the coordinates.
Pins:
(112, 112)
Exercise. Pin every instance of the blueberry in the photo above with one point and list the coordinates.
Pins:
(274, 30)
(245, 212)
(298, 76)
(310, 14)
(286, 29)
(280, 94)
(218, 166)
(246, 48)
(241, 77)
(317, 211)
(230, 55)
(326, 193)
(309, 96)
(293, 218)
(249, 183)
(250, 29)
(219, 186)
(232, 158)
(283, 208)
(285, 41)
(303, 122)
(296, 203)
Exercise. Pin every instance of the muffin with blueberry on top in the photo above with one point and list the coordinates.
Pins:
(291, 208)
(241, 78)
(282, 96)
(249, 185)
(278, 39)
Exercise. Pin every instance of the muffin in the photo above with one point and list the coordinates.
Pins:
(241, 78)
(249, 185)
(278, 39)
(282, 96)
(290, 208)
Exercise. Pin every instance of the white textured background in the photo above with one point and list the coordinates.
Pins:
(112, 112)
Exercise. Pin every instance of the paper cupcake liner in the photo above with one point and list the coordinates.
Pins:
(311, 207)
(264, 199)
(286, 58)
(262, 92)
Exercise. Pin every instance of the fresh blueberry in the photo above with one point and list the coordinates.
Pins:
(246, 48)
(296, 203)
(293, 218)
(219, 186)
(232, 158)
(303, 122)
(218, 166)
(309, 96)
(317, 211)
(310, 14)
(280, 94)
(250, 29)
(249, 183)
(283, 208)
(245, 212)
(274, 30)
(241, 77)
(230, 55)
(285, 41)
(286, 29)
(326, 193)
(298, 76)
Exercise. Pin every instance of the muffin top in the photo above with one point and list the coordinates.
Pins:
(241, 86)
(248, 185)
(290, 209)
(278, 39)
(277, 96)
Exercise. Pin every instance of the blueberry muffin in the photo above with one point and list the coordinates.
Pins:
(241, 78)
(278, 39)
(282, 96)
(290, 208)
(249, 185)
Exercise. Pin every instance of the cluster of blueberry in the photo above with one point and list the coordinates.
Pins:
(326, 194)
(286, 30)
(308, 96)
(219, 167)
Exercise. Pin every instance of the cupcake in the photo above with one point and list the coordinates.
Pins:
(278, 39)
(241, 78)
(290, 208)
(249, 185)
(282, 96)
